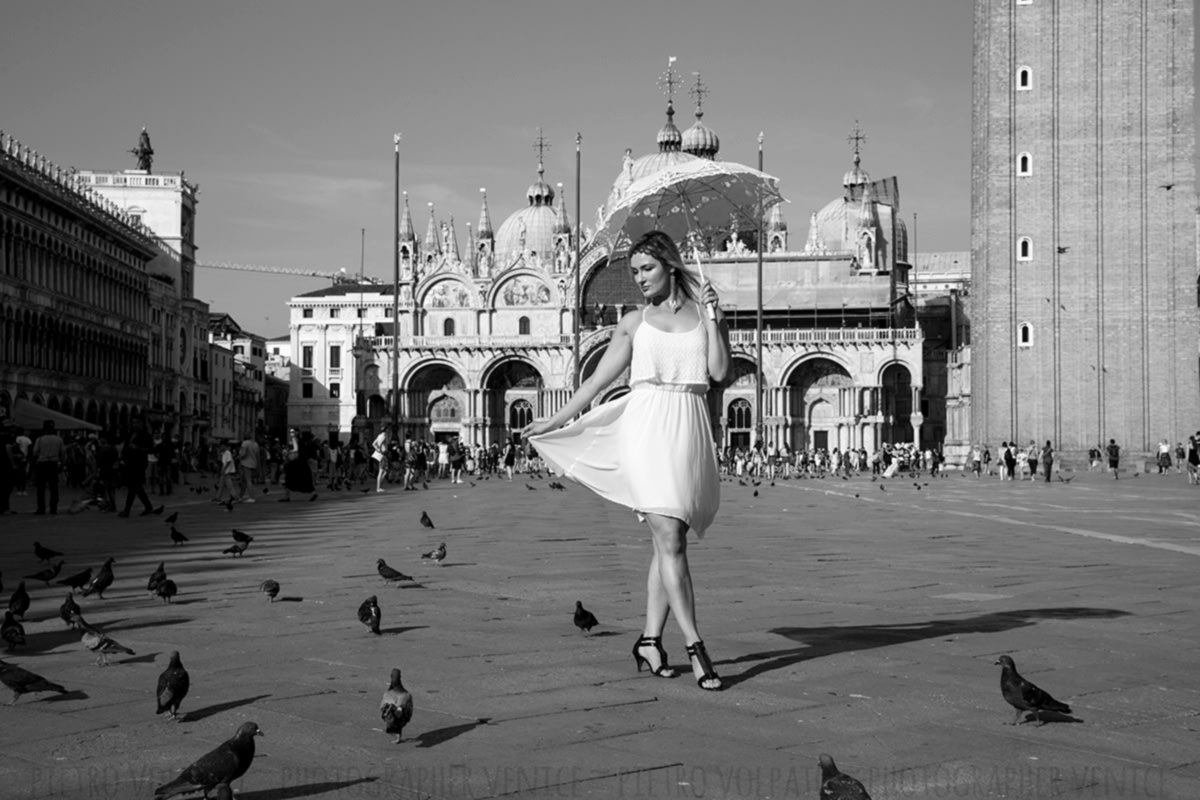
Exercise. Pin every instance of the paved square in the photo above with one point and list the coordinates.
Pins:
(859, 618)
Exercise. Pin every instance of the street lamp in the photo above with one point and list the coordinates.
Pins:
(396, 285)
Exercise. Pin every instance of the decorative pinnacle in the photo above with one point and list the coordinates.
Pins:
(541, 145)
(669, 80)
(856, 138)
(396, 139)
(698, 91)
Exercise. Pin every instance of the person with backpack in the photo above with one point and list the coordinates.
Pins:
(1114, 456)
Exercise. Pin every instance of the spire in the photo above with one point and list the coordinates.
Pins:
(868, 216)
(406, 223)
(562, 223)
(669, 138)
(775, 220)
(485, 219)
(143, 151)
(700, 140)
(452, 241)
(857, 175)
(432, 246)
(539, 192)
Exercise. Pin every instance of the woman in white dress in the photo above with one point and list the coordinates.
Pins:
(652, 449)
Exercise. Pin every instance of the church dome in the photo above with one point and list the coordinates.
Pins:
(830, 224)
(701, 140)
(531, 229)
(669, 137)
(856, 176)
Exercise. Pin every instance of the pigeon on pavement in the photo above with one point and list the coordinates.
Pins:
(18, 604)
(177, 537)
(102, 580)
(236, 549)
(222, 791)
(12, 632)
(167, 589)
(1025, 696)
(270, 589)
(22, 681)
(396, 708)
(389, 574)
(426, 522)
(80, 624)
(837, 785)
(104, 645)
(44, 553)
(158, 576)
(171, 519)
(68, 609)
(437, 554)
(173, 685)
(370, 615)
(78, 580)
(225, 764)
(584, 619)
(531, 488)
(244, 538)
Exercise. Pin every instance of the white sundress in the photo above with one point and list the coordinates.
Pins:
(650, 450)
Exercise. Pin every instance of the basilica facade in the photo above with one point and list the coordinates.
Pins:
(483, 341)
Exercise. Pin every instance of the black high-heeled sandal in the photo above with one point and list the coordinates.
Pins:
(663, 670)
(698, 652)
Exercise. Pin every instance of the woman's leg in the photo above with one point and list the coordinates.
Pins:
(674, 581)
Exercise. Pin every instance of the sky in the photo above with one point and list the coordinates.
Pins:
(283, 111)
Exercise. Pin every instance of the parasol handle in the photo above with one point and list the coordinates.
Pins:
(712, 310)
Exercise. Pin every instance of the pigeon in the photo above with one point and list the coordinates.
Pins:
(837, 785)
(171, 519)
(244, 538)
(426, 522)
(177, 537)
(370, 615)
(166, 590)
(22, 681)
(222, 791)
(437, 555)
(584, 619)
(158, 576)
(228, 504)
(389, 574)
(531, 488)
(45, 553)
(12, 632)
(18, 604)
(80, 624)
(1023, 695)
(396, 708)
(173, 686)
(102, 580)
(68, 609)
(103, 644)
(270, 589)
(236, 549)
(756, 492)
(225, 764)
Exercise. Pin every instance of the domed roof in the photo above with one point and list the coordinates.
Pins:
(530, 229)
(701, 140)
(856, 176)
(830, 224)
(669, 137)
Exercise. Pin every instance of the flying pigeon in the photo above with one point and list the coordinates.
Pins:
(244, 538)
(18, 604)
(22, 681)
(389, 574)
(426, 522)
(370, 615)
(270, 589)
(236, 549)
(103, 644)
(584, 619)
(396, 708)
(12, 632)
(1023, 695)
(837, 785)
(171, 519)
(437, 555)
(158, 576)
(173, 685)
(225, 764)
(44, 553)
(102, 580)
(166, 590)
(68, 609)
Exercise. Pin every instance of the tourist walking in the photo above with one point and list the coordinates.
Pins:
(652, 449)
(135, 458)
(1047, 459)
(1114, 456)
(379, 453)
(46, 455)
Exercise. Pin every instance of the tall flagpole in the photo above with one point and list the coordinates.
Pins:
(396, 288)
(578, 289)
(758, 349)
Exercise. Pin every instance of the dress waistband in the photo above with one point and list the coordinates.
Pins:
(682, 388)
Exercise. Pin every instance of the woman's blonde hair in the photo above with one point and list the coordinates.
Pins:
(662, 248)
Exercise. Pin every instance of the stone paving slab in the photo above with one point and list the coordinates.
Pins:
(865, 626)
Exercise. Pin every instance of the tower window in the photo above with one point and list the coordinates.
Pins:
(1024, 79)
(447, 327)
(1025, 335)
(523, 326)
(1024, 165)
(306, 313)
(334, 313)
(1024, 249)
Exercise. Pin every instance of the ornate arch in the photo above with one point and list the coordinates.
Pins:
(496, 362)
(550, 298)
(792, 369)
(425, 294)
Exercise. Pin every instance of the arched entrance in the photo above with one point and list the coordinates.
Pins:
(509, 383)
(897, 404)
(431, 382)
(814, 402)
(739, 423)
(445, 418)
